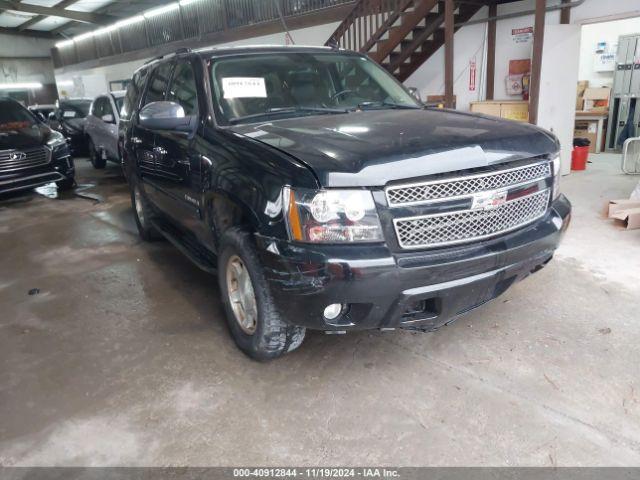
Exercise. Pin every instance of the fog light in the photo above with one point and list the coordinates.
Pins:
(333, 311)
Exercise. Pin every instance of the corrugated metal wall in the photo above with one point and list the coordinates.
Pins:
(182, 21)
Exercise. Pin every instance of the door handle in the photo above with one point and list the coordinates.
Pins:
(136, 140)
(160, 150)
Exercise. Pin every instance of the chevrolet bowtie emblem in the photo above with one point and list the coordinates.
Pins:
(489, 200)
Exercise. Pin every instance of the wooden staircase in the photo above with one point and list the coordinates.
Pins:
(399, 34)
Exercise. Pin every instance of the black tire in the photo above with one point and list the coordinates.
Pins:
(66, 184)
(272, 336)
(143, 214)
(96, 160)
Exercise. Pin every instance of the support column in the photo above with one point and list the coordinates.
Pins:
(491, 52)
(536, 64)
(565, 14)
(448, 53)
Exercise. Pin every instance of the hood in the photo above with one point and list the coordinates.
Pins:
(373, 147)
(27, 137)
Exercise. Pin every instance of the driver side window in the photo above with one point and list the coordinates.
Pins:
(183, 88)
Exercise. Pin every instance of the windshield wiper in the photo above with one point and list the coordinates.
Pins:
(384, 104)
(286, 110)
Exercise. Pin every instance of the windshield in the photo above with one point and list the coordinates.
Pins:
(75, 109)
(14, 117)
(256, 87)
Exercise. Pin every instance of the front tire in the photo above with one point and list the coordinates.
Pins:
(66, 184)
(256, 326)
(143, 214)
(96, 160)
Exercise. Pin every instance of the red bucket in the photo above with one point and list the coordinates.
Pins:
(579, 158)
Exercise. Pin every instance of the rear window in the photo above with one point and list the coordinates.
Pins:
(13, 116)
(77, 109)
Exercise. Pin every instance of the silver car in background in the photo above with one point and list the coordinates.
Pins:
(101, 128)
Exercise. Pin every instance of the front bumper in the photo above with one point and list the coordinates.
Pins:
(22, 179)
(418, 290)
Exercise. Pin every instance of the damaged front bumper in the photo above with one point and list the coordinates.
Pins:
(418, 290)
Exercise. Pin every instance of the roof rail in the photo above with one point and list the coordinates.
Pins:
(159, 57)
(177, 52)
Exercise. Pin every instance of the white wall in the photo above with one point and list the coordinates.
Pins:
(602, 32)
(95, 81)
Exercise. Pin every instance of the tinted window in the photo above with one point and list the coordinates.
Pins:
(14, 117)
(134, 90)
(183, 89)
(157, 88)
(96, 110)
(107, 109)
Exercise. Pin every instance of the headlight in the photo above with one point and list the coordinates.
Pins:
(556, 176)
(331, 216)
(58, 144)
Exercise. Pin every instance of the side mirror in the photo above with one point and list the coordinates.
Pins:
(166, 116)
(108, 118)
(415, 93)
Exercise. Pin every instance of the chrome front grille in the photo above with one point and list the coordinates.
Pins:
(18, 159)
(468, 225)
(447, 189)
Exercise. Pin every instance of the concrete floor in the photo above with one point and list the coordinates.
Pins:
(123, 357)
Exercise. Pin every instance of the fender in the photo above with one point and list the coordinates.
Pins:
(242, 182)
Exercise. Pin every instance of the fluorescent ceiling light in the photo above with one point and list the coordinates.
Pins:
(187, 2)
(129, 21)
(20, 86)
(64, 43)
(159, 11)
(104, 30)
(84, 36)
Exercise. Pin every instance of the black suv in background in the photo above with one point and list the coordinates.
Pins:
(31, 154)
(69, 118)
(326, 197)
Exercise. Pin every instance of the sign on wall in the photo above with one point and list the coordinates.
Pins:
(472, 74)
(522, 35)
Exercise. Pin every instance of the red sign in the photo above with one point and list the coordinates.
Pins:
(472, 75)
(520, 31)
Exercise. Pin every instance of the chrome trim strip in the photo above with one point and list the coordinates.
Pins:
(40, 175)
(470, 239)
(462, 178)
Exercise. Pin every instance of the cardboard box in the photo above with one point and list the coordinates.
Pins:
(626, 212)
(596, 99)
(582, 86)
(587, 129)
(509, 109)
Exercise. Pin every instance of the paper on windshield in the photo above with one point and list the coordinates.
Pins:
(244, 87)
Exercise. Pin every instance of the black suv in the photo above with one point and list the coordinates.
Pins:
(31, 154)
(326, 197)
